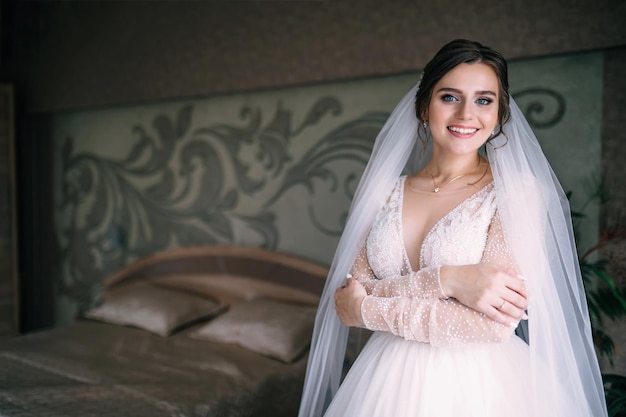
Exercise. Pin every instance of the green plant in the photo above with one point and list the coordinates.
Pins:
(604, 298)
(615, 393)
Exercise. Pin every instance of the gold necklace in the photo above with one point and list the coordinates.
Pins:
(438, 187)
(453, 179)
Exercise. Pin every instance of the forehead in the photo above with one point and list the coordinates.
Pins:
(470, 78)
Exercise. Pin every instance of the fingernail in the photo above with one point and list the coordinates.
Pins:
(522, 277)
(512, 324)
(349, 276)
(525, 317)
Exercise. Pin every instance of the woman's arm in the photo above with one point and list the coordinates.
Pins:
(432, 320)
(492, 287)
(481, 287)
(422, 284)
(438, 322)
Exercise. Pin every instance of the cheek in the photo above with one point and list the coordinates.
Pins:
(491, 119)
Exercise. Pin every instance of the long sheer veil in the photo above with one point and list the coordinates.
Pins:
(536, 220)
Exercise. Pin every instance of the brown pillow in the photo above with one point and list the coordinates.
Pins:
(272, 328)
(157, 310)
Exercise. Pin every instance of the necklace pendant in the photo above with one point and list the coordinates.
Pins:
(436, 189)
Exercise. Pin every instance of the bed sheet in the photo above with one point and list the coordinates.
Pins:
(96, 369)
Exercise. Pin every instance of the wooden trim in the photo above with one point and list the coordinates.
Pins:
(270, 269)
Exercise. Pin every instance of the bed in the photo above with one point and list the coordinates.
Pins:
(204, 331)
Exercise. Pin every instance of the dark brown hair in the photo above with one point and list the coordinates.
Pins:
(461, 51)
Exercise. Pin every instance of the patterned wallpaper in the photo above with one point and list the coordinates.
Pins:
(83, 54)
(274, 168)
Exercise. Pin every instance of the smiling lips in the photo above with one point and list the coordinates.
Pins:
(462, 130)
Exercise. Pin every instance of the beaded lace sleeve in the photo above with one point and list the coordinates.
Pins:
(422, 284)
(440, 322)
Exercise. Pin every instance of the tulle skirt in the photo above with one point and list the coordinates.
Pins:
(393, 377)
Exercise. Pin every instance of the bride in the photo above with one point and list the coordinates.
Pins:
(443, 264)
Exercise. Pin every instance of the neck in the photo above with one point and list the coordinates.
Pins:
(445, 168)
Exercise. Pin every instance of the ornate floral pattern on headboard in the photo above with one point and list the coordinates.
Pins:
(186, 178)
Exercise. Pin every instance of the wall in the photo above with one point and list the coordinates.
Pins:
(77, 54)
(8, 233)
(613, 210)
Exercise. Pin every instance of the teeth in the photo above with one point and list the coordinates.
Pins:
(461, 130)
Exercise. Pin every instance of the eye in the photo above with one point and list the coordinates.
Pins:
(449, 97)
(484, 101)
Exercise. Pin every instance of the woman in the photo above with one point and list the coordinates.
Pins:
(435, 264)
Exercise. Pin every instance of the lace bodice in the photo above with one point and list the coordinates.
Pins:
(411, 303)
(458, 238)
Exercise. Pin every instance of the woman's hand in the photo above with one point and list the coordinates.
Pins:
(348, 299)
(497, 292)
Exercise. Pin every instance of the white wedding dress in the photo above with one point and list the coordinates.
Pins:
(429, 355)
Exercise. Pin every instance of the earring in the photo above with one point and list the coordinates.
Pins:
(425, 124)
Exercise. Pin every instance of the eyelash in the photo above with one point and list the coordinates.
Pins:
(481, 101)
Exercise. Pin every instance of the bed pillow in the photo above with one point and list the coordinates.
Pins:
(157, 310)
(272, 328)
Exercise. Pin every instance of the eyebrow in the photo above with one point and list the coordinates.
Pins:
(478, 93)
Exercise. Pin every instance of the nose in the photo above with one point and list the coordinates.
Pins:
(464, 111)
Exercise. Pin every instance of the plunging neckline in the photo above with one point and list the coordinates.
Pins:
(433, 227)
